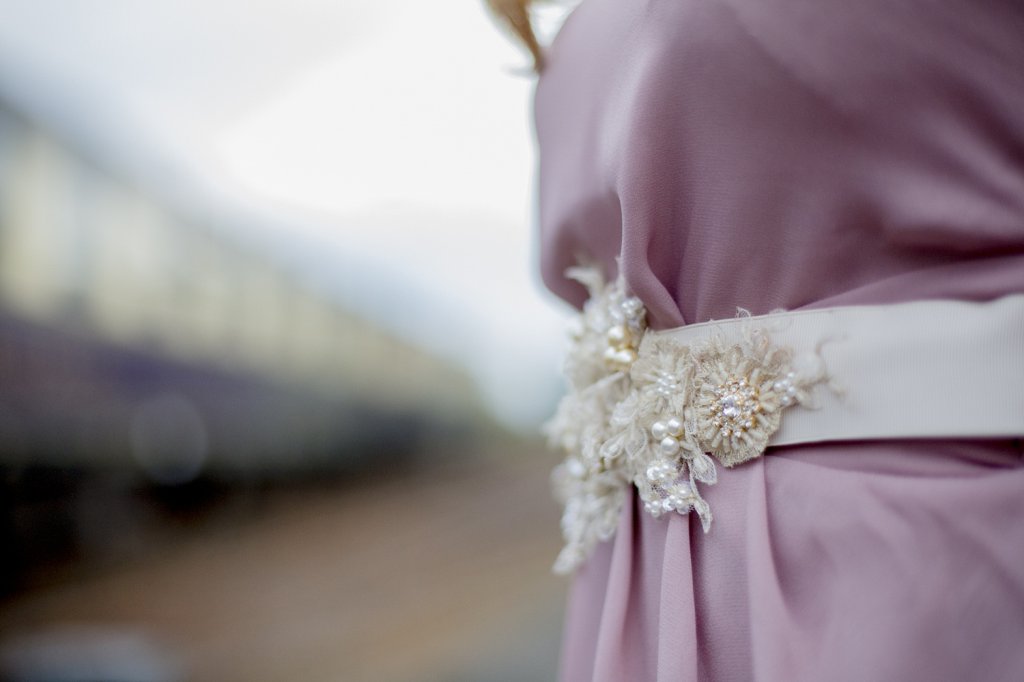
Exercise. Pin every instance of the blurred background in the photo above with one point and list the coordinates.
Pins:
(273, 355)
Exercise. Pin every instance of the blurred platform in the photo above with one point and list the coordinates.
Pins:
(438, 574)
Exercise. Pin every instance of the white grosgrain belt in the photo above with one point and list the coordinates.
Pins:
(661, 411)
(925, 369)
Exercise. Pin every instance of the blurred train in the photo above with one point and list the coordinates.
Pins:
(135, 334)
(74, 402)
(145, 348)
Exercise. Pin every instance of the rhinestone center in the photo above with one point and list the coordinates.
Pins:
(737, 406)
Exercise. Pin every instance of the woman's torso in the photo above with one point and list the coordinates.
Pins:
(785, 153)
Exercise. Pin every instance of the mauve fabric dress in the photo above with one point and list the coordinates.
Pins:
(795, 154)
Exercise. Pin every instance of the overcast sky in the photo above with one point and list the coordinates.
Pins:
(385, 144)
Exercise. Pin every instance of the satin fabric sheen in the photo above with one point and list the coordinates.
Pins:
(793, 154)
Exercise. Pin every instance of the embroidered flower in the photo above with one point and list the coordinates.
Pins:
(594, 479)
(625, 434)
(602, 347)
(659, 382)
(662, 375)
(580, 425)
(669, 463)
(659, 385)
(642, 409)
(593, 499)
(741, 391)
(608, 332)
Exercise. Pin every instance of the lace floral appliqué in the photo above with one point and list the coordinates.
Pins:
(644, 410)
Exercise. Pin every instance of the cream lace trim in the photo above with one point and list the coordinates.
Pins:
(644, 410)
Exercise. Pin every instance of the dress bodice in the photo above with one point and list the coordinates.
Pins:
(785, 153)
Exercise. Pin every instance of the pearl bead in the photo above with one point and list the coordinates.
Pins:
(659, 430)
(617, 334)
(626, 356)
(669, 446)
(675, 426)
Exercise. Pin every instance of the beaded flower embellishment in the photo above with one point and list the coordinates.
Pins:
(646, 411)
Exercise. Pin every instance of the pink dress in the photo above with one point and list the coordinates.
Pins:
(794, 154)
